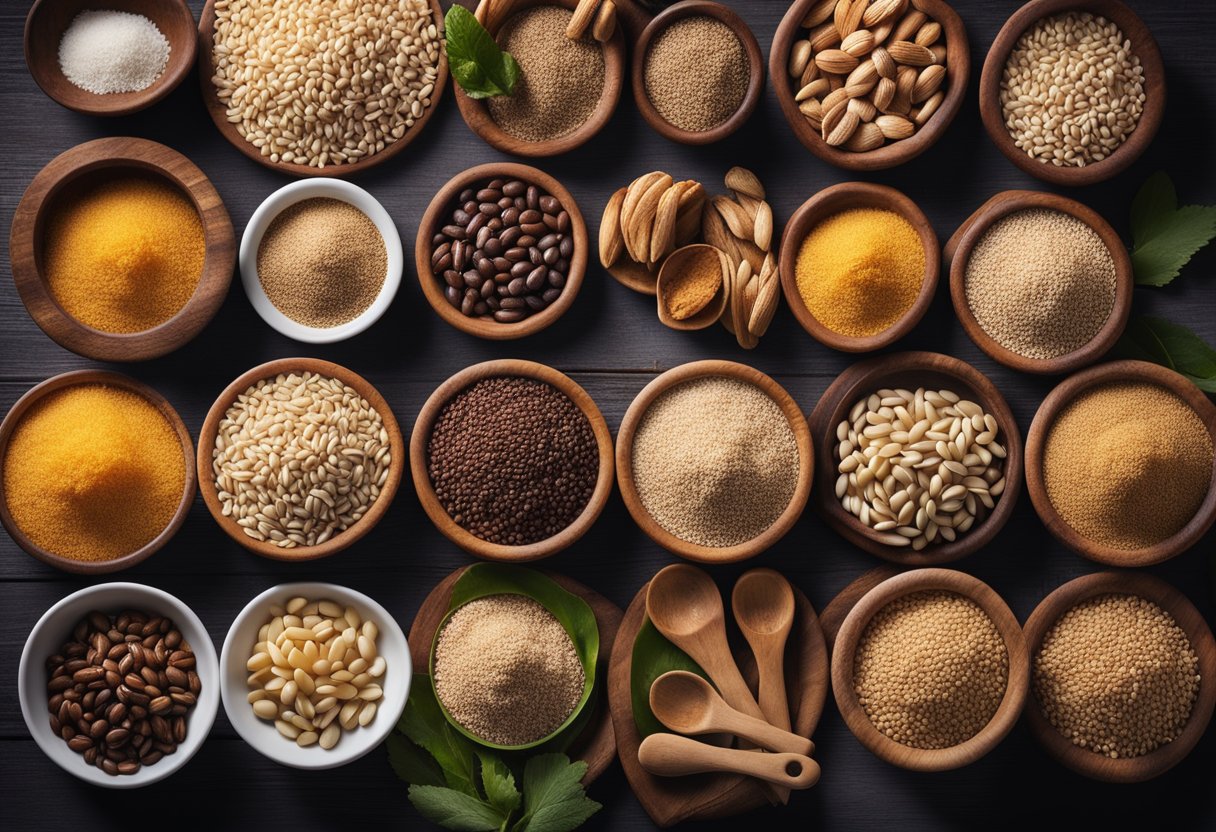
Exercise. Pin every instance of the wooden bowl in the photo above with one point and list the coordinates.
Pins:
(1155, 763)
(844, 653)
(755, 63)
(98, 161)
(910, 370)
(833, 200)
(477, 115)
(72, 379)
(436, 217)
(958, 63)
(957, 254)
(49, 19)
(1143, 46)
(624, 460)
(511, 368)
(1036, 444)
(340, 541)
(219, 111)
(713, 310)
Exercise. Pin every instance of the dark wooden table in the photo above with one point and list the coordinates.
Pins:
(611, 342)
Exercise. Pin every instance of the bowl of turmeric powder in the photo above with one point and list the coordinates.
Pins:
(97, 471)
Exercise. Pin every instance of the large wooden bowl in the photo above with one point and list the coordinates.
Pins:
(844, 652)
(1143, 46)
(206, 449)
(624, 460)
(218, 110)
(1155, 763)
(911, 370)
(72, 379)
(957, 254)
(1036, 445)
(89, 164)
(462, 537)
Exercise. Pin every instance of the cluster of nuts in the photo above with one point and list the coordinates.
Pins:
(648, 220)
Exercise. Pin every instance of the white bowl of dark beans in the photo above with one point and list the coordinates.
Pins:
(119, 684)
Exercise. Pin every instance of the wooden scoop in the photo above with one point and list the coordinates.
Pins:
(763, 603)
(669, 755)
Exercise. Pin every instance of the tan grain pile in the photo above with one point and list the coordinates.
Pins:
(696, 73)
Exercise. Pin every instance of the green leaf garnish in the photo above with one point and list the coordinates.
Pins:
(1164, 236)
(554, 800)
(1173, 346)
(455, 810)
(499, 784)
(477, 63)
(424, 724)
(411, 763)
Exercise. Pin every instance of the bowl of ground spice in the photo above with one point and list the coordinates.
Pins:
(1073, 91)
(930, 669)
(1119, 463)
(859, 265)
(121, 249)
(714, 461)
(512, 460)
(97, 471)
(1041, 283)
(1123, 672)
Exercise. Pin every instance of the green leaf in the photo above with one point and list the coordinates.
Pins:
(412, 764)
(653, 655)
(498, 784)
(477, 63)
(1171, 345)
(1164, 236)
(425, 725)
(455, 810)
(554, 800)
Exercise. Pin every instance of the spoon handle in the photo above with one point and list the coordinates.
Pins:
(668, 755)
(764, 735)
(773, 700)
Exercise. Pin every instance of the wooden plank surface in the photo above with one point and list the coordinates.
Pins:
(613, 344)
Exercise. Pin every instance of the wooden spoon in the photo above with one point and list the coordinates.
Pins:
(687, 704)
(763, 603)
(669, 755)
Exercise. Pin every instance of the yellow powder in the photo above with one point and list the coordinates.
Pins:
(125, 255)
(860, 270)
(93, 472)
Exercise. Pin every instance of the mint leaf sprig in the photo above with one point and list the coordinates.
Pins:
(478, 64)
(1165, 236)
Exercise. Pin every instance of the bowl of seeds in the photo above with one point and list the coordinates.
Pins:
(300, 458)
(919, 458)
(1082, 118)
(1123, 676)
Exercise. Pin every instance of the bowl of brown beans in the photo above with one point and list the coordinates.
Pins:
(119, 684)
(501, 251)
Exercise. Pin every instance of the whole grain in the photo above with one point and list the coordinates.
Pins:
(696, 73)
(104, 51)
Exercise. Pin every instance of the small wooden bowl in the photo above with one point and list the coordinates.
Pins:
(910, 370)
(435, 218)
(844, 653)
(511, 368)
(958, 69)
(1036, 444)
(957, 254)
(624, 460)
(827, 203)
(713, 310)
(340, 541)
(1143, 46)
(755, 63)
(72, 379)
(98, 161)
(1155, 763)
(477, 115)
(49, 19)
(218, 110)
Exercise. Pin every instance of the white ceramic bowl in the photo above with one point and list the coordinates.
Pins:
(56, 626)
(262, 735)
(284, 198)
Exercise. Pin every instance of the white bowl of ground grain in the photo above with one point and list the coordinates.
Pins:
(321, 260)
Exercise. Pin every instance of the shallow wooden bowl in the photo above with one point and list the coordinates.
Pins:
(833, 200)
(340, 541)
(713, 310)
(958, 72)
(1143, 45)
(477, 115)
(72, 379)
(911, 370)
(88, 164)
(49, 19)
(1155, 763)
(624, 460)
(957, 254)
(755, 63)
(844, 653)
(1036, 444)
(509, 368)
(436, 217)
(219, 111)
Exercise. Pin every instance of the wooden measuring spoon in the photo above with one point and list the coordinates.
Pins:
(763, 603)
(669, 755)
(687, 704)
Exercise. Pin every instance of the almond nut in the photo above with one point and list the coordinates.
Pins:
(611, 241)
